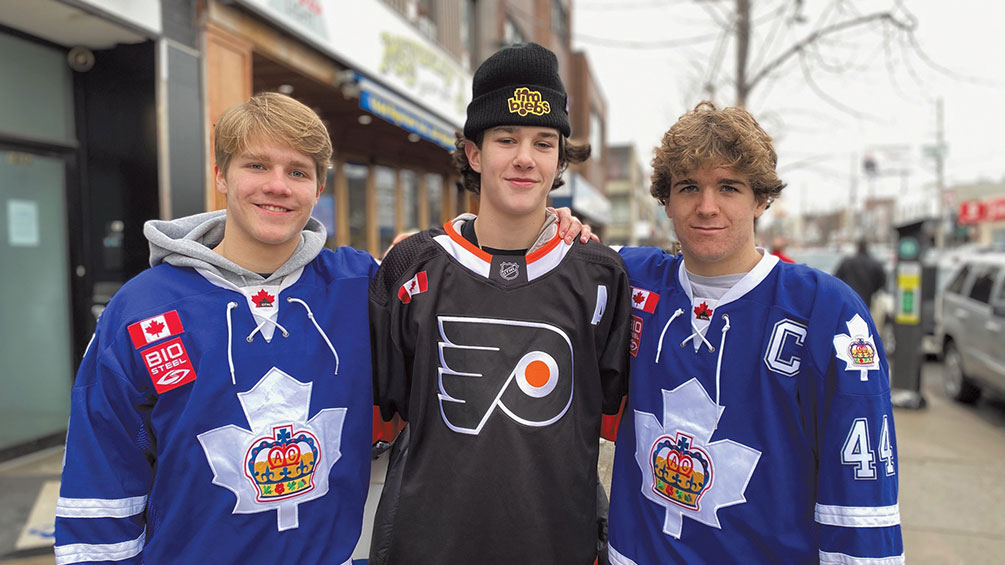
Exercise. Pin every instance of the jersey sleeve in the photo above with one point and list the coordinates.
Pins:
(108, 466)
(857, 487)
(391, 343)
(614, 357)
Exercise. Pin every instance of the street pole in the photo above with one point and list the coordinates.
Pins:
(852, 227)
(940, 180)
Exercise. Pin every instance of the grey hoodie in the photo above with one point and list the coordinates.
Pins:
(189, 242)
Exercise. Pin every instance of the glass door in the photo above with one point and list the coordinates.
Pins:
(35, 328)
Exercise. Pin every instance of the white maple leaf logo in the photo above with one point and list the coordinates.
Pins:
(285, 459)
(678, 464)
(857, 348)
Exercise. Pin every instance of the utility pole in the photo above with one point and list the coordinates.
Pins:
(852, 227)
(940, 180)
(742, 50)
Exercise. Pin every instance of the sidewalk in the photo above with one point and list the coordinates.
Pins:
(952, 486)
(952, 478)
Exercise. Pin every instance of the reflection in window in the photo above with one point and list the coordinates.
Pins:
(956, 287)
(596, 137)
(434, 191)
(385, 206)
(981, 290)
(324, 210)
(355, 176)
(409, 200)
(512, 33)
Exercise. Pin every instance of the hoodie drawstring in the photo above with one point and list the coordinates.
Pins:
(718, 363)
(659, 346)
(324, 336)
(230, 342)
(250, 338)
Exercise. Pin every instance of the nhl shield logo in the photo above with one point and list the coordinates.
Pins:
(509, 270)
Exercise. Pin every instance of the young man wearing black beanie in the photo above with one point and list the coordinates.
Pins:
(501, 344)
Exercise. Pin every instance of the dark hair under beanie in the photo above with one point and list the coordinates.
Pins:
(518, 86)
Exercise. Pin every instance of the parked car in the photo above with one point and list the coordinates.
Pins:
(973, 327)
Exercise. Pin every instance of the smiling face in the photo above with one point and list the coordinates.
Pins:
(271, 190)
(713, 212)
(518, 165)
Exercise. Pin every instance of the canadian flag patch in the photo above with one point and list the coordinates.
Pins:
(415, 285)
(644, 300)
(155, 329)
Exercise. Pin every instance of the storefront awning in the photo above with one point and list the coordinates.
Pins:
(394, 109)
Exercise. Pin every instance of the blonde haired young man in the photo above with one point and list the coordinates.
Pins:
(221, 413)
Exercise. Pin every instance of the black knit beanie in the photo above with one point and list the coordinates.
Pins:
(518, 86)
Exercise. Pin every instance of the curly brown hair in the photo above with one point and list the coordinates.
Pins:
(568, 152)
(710, 137)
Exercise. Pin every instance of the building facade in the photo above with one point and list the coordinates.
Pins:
(636, 217)
(110, 123)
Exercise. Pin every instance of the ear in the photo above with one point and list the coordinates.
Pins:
(762, 205)
(318, 195)
(221, 181)
(474, 156)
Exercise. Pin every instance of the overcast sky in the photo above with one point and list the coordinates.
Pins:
(653, 56)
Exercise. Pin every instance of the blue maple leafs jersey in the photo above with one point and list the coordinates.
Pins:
(211, 423)
(758, 426)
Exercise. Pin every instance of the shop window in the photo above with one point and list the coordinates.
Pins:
(324, 210)
(409, 200)
(434, 195)
(559, 20)
(355, 176)
(385, 206)
(596, 137)
(512, 33)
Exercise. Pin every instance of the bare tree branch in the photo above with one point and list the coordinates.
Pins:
(797, 47)
(820, 92)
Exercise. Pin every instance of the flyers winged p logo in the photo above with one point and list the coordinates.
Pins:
(522, 368)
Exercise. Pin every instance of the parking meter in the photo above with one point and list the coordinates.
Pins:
(914, 285)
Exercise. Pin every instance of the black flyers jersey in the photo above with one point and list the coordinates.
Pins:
(502, 366)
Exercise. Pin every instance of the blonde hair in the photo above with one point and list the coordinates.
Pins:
(273, 116)
(710, 137)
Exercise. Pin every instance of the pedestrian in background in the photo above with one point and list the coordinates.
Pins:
(758, 427)
(862, 273)
(778, 245)
(501, 344)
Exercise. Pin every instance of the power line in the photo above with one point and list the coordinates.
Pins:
(634, 44)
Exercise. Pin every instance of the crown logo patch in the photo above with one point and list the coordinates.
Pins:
(857, 348)
(681, 473)
(526, 101)
(677, 459)
(284, 459)
(282, 466)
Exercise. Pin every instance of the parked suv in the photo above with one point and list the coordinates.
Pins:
(973, 325)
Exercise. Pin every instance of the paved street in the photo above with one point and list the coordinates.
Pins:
(952, 486)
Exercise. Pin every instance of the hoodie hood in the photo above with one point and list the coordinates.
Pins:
(189, 242)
